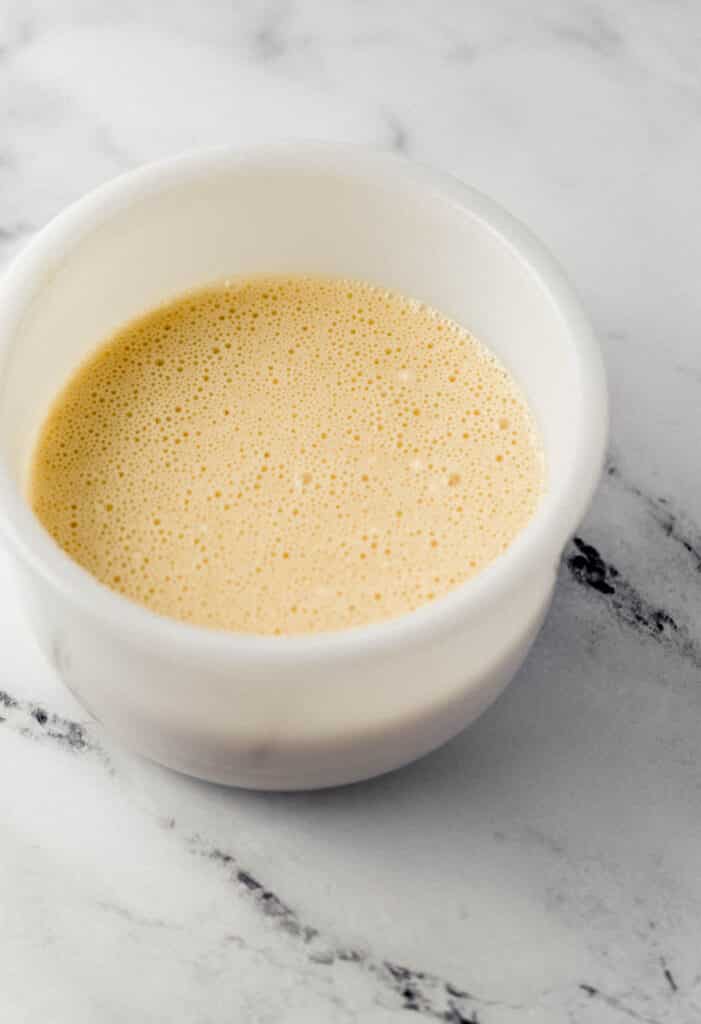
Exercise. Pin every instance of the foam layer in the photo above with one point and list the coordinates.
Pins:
(285, 455)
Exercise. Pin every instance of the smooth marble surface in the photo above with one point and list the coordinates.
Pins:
(546, 865)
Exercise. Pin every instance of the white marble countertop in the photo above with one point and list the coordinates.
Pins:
(546, 865)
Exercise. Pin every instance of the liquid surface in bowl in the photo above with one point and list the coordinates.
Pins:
(287, 455)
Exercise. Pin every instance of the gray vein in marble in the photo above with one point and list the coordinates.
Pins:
(674, 525)
(421, 991)
(668, 976)
(398, 133)
(22, 32)
(629, 606)
(594, 32)
(15, 231)
(34, 722)
(627, 603)
(616, 1003)
(269, 41)
(139, 920)
(268, 44)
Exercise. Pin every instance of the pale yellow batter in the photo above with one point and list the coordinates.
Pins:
(287, 455)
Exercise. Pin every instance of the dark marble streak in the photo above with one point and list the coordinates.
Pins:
(266, 901)
(588, 567)
(669, 978)
(674, 525)
(614, 1003)
(427, 994)
(35, 722)
(423, 992)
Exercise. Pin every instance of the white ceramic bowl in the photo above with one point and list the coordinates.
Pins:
(323, 709)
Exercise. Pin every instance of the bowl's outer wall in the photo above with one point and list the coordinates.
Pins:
(296, 726)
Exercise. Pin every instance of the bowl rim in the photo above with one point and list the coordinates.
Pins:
(540, 543)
